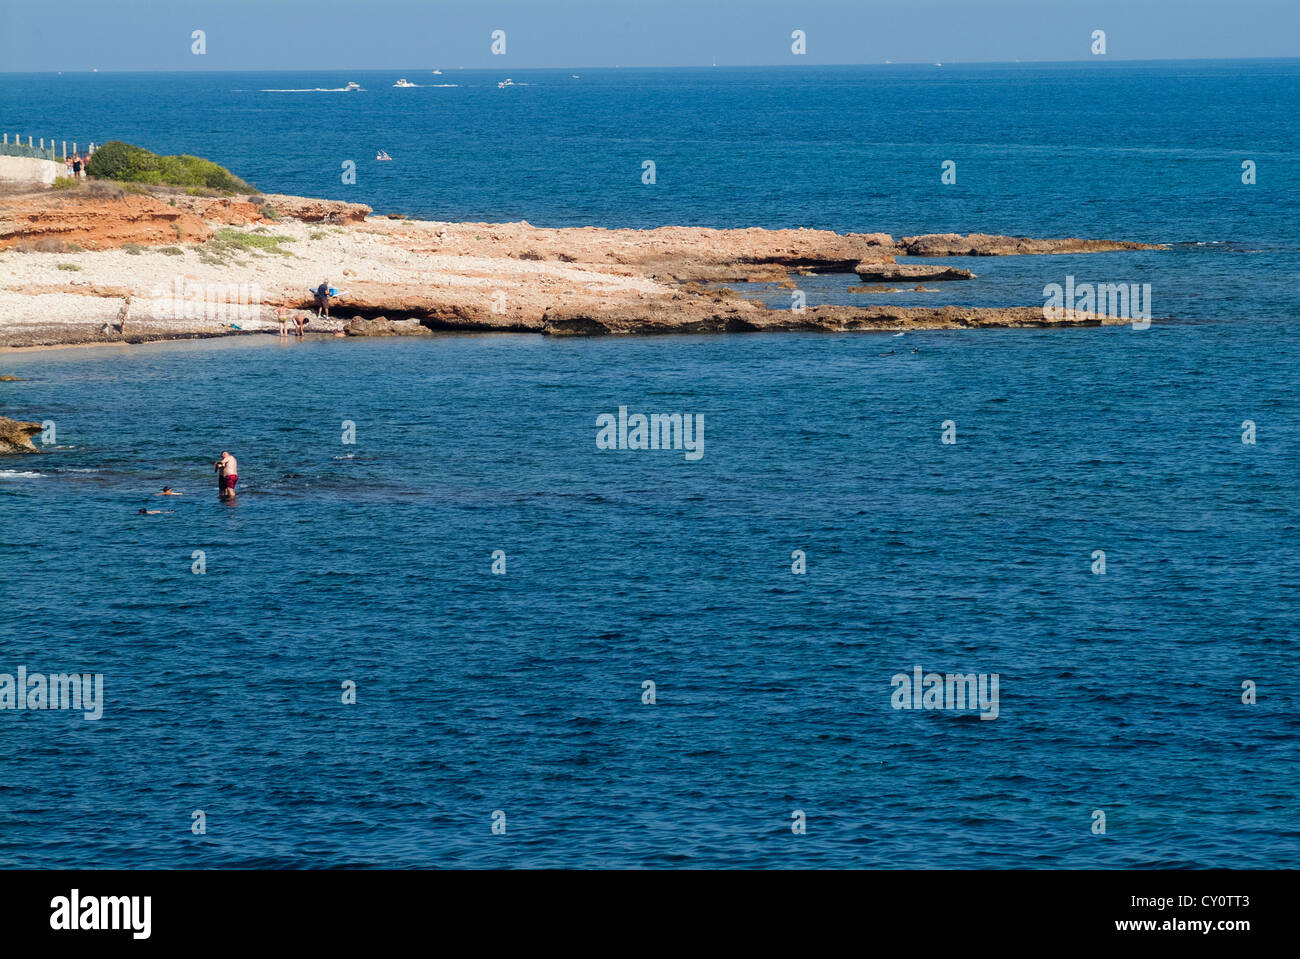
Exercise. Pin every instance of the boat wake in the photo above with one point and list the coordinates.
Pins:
(348, 89)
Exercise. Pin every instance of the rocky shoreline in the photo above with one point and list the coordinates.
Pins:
(103, 265)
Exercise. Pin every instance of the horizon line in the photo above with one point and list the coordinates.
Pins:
(698, 66)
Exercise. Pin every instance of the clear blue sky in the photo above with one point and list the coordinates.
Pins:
(45, 35)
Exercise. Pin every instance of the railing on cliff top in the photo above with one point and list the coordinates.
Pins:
(42, 148)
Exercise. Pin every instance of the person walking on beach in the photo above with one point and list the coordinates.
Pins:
(67, 166)
(323, 300)
(123, 314)
(228, 470)
(76, 166)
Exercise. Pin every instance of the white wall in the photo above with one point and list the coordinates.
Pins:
(29, 170)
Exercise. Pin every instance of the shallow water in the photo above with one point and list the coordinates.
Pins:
(522, 692)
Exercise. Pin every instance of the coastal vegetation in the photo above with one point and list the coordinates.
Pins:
(229, 244)
(252, 241)
(126, 163)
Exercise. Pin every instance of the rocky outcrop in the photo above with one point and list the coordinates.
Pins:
(382, 326)
(992, 244)
(850, 319)
(745, 317)
(231, 210)
(409, 277)
(312, 210)
(103, 221)
(670, 253)
(873, 272)
(16, 436)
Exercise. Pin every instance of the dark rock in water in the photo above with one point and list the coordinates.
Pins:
(16, 436)
(993, 244)
(382, 326)
(870, 271)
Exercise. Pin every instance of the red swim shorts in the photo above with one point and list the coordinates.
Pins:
(229, 481)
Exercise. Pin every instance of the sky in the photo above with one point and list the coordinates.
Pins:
(113, 35)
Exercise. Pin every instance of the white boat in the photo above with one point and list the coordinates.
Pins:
(403, 83)
(507, 82)
(352, 86)
(437, 73)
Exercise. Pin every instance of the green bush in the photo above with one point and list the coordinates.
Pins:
(116, 160)
(229, 237)
(64, 183)
(68, 266)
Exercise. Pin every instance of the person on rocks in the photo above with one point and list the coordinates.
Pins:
(323, 295)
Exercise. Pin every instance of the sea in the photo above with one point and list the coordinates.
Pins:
(442, 627)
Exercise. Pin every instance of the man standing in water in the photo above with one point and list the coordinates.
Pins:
(228, 469)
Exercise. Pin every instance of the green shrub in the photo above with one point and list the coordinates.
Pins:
(135, 249)
(230, 237)
(120, 161)
(64, 183)
(69, 266)
(172, 251)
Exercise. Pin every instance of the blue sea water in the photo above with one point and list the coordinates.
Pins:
(371, 562)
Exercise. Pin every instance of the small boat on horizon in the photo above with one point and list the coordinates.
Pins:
(437, 73)
(404, 83)
(507, 82)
